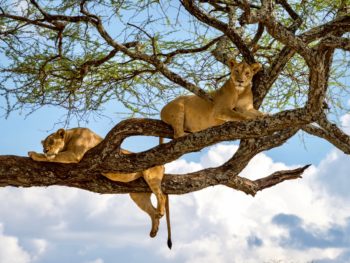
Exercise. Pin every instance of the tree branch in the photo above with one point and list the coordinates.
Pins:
(277, 30)
(37, 22)
(336, 42)
(109, 152)
(330, 137)
(229, 31)
(280, 176)
(23, 172)
(336, 26)
(255, 135)
(94, 20)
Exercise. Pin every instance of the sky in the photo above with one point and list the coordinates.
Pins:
(305, 220)
(296, 221)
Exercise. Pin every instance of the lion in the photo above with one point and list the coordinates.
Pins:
(69, 146)
(232, 102)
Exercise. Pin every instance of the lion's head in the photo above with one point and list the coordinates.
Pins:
(54, 143)
(242, 73)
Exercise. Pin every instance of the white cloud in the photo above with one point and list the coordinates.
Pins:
(345, 123)
(286, 222)
(333, 175)
(10, 250)
(15, 250)
(230, 220)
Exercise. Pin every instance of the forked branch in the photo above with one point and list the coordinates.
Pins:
(24, 172)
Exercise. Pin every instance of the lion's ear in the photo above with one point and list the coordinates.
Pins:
(255, 67)
(232, 63)
(61, 133)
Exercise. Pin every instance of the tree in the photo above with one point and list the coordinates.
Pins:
(81, 54)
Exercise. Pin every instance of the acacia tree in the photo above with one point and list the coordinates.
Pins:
(80, 54)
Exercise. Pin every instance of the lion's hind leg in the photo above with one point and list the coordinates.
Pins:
(153, 177)
(122, 177)
(174, 115)
(143, 201)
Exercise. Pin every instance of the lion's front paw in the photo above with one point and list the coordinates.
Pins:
(36, 156)
(31, 154)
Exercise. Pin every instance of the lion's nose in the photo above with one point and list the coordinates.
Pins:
(46, 150)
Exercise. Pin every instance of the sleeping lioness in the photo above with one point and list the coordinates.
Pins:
(232, 102)
(69, 146)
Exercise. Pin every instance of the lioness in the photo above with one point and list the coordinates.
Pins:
(232, 102)
(69, 146)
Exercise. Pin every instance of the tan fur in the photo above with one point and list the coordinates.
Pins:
(66, 146)
(153, 177)
(69, 146)
(232, 102)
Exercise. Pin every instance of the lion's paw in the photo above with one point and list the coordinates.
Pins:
(31, 154)
(154, 229)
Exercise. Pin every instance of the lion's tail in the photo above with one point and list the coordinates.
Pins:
(167, 210)
(170, 243)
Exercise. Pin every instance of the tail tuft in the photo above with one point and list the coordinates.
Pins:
(170, 244)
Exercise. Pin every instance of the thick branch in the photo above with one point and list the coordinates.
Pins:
(339, 25)
(225, 28)
(251, 147)
(336, 42)
(277, 30)
(109, 152)
(23, 172)
(261, 87)
(330, 137)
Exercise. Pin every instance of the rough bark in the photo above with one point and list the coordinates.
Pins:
(87, 173)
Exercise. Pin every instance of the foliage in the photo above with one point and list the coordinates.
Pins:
(68, 63)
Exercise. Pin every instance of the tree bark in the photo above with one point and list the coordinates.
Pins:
(24, 172)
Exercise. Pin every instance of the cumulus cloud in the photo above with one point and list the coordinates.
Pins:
(345, 122)
(58, 223)
(296, 221)
(10, 249)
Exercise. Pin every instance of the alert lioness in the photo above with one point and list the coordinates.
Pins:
(69, 146)
(232, 102)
